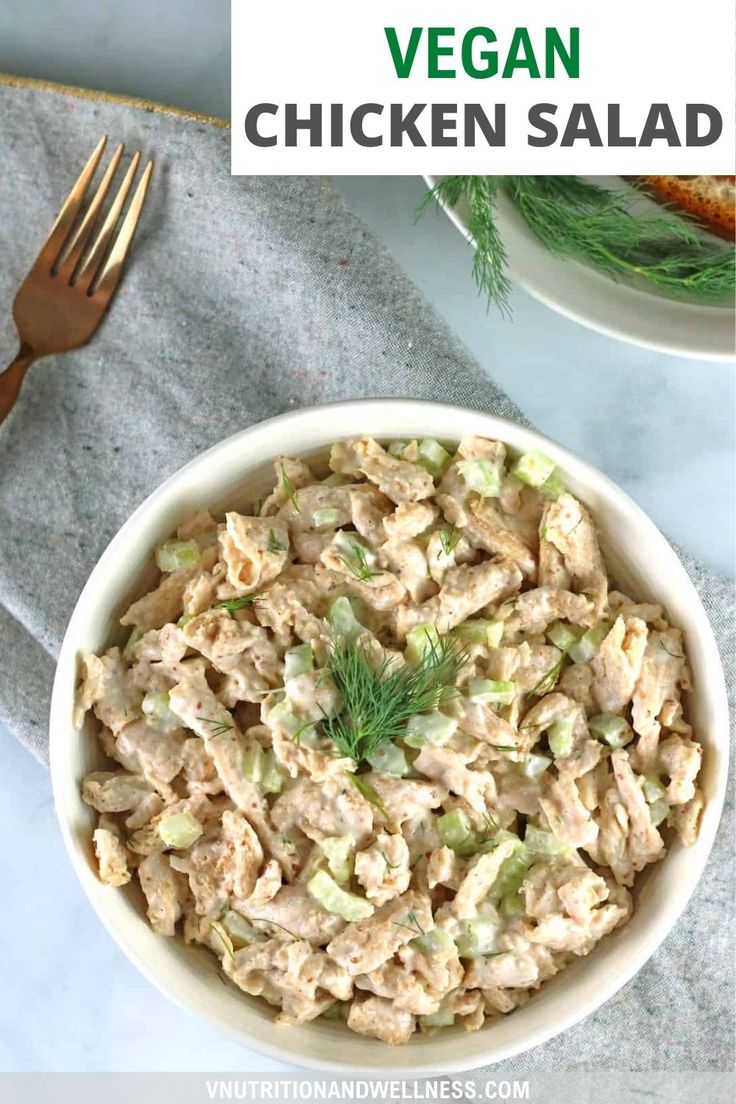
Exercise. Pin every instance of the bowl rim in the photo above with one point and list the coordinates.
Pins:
(505, 430)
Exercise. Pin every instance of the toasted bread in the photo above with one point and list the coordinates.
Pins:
(709, 199)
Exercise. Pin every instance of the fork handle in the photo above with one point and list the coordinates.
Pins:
(12, 379)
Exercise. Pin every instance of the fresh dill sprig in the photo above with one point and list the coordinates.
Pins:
(357, 564)
(379, 699)
(219, 728)
(581, 220)
(490, 830)
(390, 865)
(232, 605)
(289, 490)
(297, 737)
(263, 920)
(549, 679)
(274, 545)
(324, 678)
(413, 925)
(490, 262)
(449, 538)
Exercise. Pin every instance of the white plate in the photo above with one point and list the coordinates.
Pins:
(639, 315)
(239, 470)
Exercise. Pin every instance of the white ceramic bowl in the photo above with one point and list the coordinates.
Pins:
(636, 313)
(234, 473)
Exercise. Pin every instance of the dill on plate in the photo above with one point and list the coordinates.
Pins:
(582, 221)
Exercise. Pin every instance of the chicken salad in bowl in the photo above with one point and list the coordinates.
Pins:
(391, 742)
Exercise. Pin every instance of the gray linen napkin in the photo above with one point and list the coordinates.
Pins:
(247, 297)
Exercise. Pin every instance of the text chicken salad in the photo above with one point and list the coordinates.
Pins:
(390, 743)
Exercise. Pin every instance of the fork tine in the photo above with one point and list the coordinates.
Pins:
(82, 234)
(54, 243)
(114, 264)
(92, 264)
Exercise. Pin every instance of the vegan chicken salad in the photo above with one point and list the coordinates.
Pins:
(390, 743)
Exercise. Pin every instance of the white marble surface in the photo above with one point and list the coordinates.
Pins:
(661, 427)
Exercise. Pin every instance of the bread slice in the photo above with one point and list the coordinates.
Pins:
(709, 199)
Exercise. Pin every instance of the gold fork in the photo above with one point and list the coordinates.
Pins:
(62, 300)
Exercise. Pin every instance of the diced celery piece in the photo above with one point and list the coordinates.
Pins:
(224, 942)
(314, 861)
(433, 942)
(396, 449)
(429, 728)
(184, 620)
(443, 1017)
(253, 763)
(297, 661)
(654, 788)
(480, 631)
(433, 457)
(335, 1011)
(419, 641)
(533, 468)
(589, 643)
(284, 718)
(489, 840)
(553, 487)
(658, 811)
(539, 842)
(339, 854)
(325, 519)
(481, 476)
(389, 759)
(564, 636)
(615, 730)
(477, 937)
(272, 779)
(171, 555)
(513, 905)
(240, 931)
(456, 832)
(343, 619)
(291, 725)
(179, 830)
(155, 705)
(332, 897)
(559, 738)
(135, 635)
(535, 766)
(512, 873)
(490, 690)
(350, 545)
